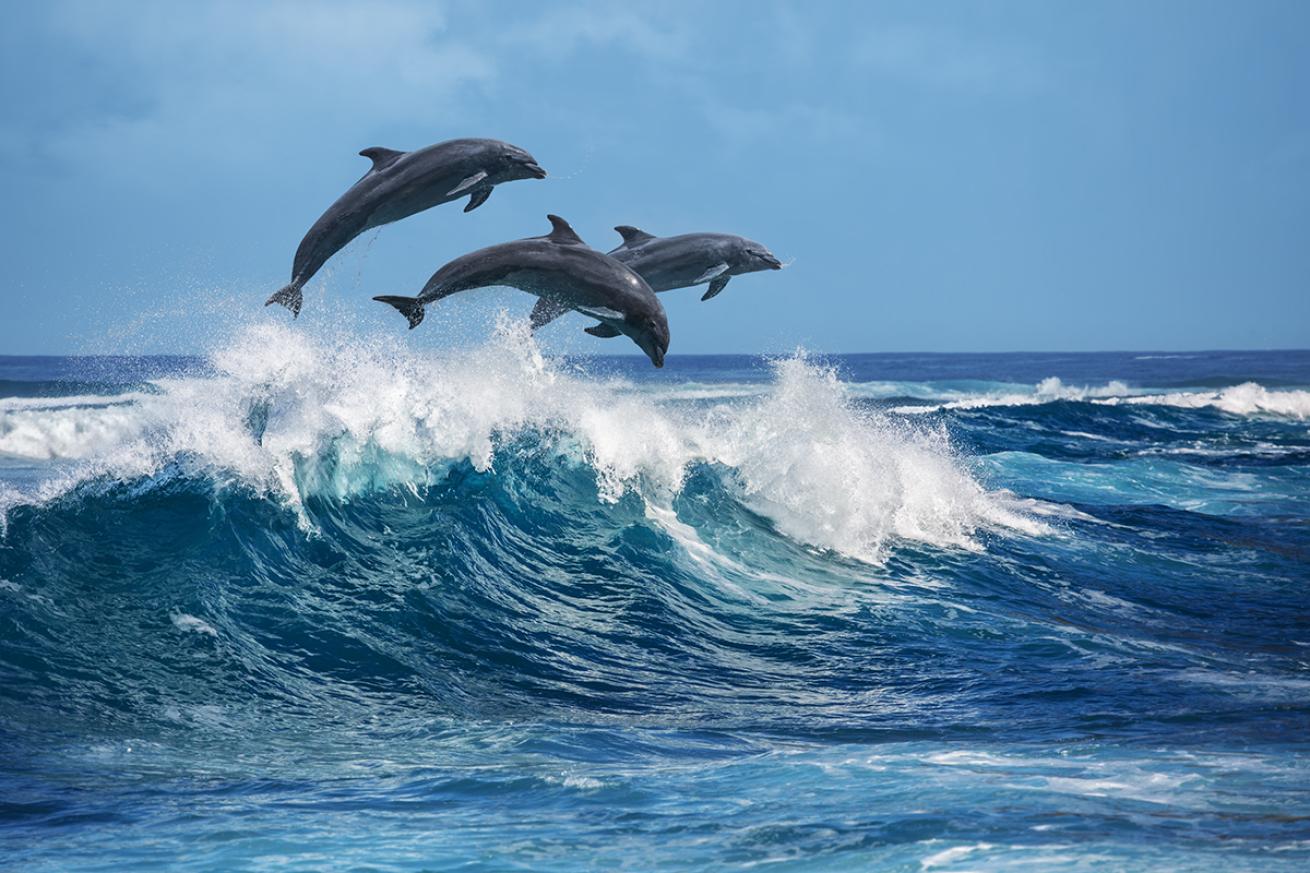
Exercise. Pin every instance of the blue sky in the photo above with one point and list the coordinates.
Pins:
(944, 176)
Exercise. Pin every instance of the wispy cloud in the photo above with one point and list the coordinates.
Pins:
(224, 85)
(946, 60)
(743, 127)
(227, 82)
(561, 31)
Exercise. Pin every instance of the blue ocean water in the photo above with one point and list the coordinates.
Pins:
(317, 603)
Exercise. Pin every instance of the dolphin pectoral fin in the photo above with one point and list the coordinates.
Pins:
(603, 330)
(601, 313)
(289, 296)
(710, 273)
(719, 283)
(478, 198)
(410, 307)
(546, 311)
(467, 183)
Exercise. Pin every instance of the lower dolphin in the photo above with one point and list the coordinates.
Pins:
(682, 261)
(566, 274)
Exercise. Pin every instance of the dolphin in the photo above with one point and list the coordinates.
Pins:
(682, 261)
(401, 184)
(566, 274)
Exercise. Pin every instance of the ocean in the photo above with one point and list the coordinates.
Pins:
(309, 603)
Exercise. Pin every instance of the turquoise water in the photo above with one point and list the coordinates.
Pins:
(309, 604)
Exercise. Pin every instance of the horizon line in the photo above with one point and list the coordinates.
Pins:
(745, 354)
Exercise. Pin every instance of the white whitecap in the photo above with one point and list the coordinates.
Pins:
(291, 415)
(190, 623)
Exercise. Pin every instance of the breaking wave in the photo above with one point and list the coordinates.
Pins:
(314, 581)
(1248, 398)
(292, 417)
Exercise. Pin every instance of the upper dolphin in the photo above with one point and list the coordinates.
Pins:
(566, 274)
(399, 185)
(682, 261)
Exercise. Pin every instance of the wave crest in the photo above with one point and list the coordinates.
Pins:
(294, 416)
(1249, 398)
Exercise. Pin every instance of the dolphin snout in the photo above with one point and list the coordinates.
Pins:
(773, 262)
(535, 169)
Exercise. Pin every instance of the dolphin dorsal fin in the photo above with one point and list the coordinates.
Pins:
(381, 157)
(633, 236)
(561, 233)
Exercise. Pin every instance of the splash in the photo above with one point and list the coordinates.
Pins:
(290, 416)
(852, 480)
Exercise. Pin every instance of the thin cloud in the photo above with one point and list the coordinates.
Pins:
(222, 82)
(945, 60)
(563, 31)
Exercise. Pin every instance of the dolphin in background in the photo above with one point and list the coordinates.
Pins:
(681, 261)
(566, 274)
(401, 184)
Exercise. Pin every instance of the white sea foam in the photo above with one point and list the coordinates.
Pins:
(190, 623)
(1046, 391)
(952, 855)
(293, 415)
(1248, 398)
(583, 783)
(70, 432)
(9, 404)
(830, 475)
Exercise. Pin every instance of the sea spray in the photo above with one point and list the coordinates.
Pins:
(293, 416)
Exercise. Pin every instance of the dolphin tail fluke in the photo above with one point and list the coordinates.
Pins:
(290, 297)
(410, 307)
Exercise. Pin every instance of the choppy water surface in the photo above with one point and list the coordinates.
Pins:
(310, 604)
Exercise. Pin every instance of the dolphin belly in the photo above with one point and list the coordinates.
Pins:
(413, 202)
(666, 276)
(329, 235)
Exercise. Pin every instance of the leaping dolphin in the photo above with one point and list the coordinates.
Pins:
(399, 185)
(682, 261)
(566, 274)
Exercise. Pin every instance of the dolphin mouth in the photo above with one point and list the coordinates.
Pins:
(657, 358)
(535, 169)
(774, 263)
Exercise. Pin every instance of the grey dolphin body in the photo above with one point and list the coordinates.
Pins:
(399, 185)
(682, 261)
(566, 274)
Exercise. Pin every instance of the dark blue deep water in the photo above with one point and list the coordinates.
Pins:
(307, 604)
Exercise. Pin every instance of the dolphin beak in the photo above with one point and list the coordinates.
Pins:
(657, 357)
(774, 263)
(535, 169)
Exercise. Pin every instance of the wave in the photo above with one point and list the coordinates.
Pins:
(73, 428)
(1248, 398)
(295, 417)
(1048, 390)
